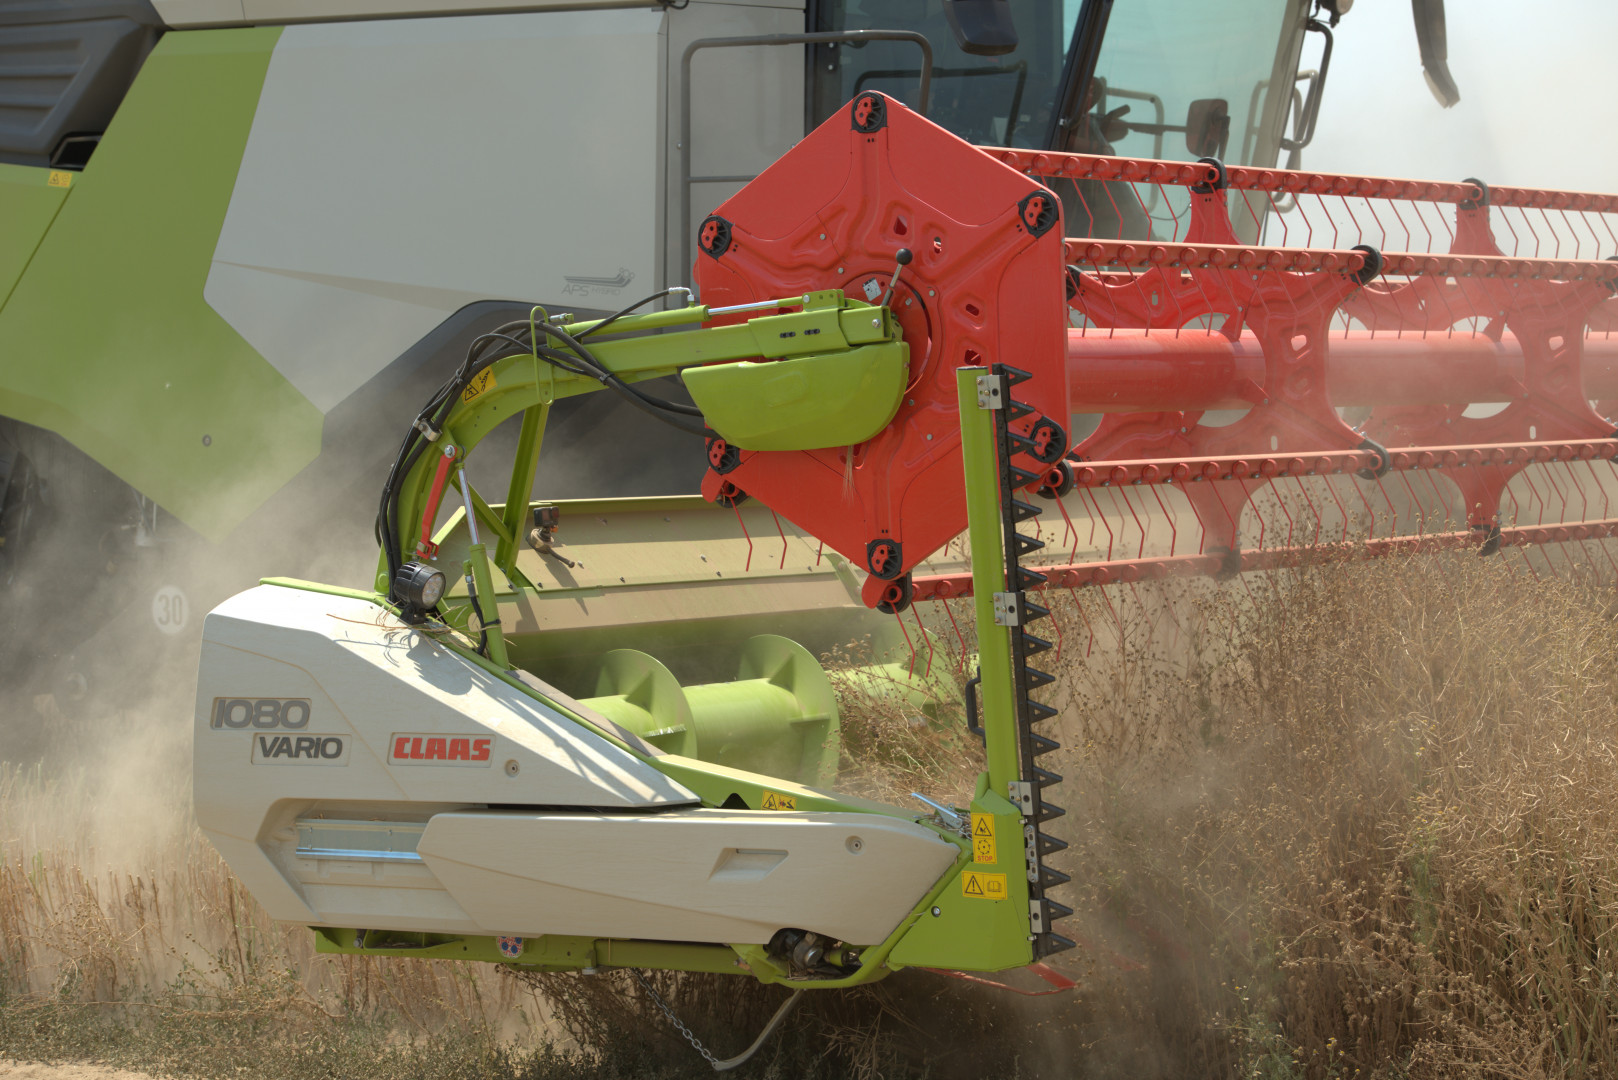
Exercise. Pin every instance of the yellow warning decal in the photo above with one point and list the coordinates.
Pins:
(59, 178)
(773, 801)
(984, 848)
(977, 885)
(483, 380)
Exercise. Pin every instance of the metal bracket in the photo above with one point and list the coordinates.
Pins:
(1036, 916)
(1008, 609)
(1021, 794)
(991, 391)
(952, 819)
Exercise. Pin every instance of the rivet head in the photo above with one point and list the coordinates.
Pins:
(937, 911)
(512, 768)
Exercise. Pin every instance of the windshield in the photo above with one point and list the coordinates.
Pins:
(987, 100)
(1175, 78)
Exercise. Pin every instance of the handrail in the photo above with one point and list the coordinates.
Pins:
(832, 37)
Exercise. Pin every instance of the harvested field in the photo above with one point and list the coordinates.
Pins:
(1360, 819)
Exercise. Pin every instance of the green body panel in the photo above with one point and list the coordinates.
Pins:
(971, 932)
(108, 339)
(29, 201)
(804, 404)
(981, 467)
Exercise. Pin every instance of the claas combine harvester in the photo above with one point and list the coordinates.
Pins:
(479, 759)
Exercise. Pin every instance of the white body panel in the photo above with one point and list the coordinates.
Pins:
(399, 169)
(199, 13)
(367, 680)
(686, 875)
(345, 763)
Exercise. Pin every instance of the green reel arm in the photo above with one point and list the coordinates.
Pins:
(829, 374)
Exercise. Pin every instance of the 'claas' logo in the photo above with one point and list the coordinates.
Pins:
(411, 749)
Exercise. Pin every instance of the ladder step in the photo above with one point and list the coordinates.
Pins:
(1021, 444)
(1042, 745)
(1021, 511)
(1030, 578)
(1033, 646)
(1025, 544)
(1038, 711)
(1053, 943)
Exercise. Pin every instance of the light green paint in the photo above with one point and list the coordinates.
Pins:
(107, 338)
(804, 404)
(28, 205)
(972, 933)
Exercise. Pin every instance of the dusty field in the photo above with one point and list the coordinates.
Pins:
(24, 1070)
(1359, 820)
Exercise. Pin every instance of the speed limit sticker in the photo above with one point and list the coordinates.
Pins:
(170, 609)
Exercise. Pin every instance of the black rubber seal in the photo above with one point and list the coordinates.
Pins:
(869, 113)
(1479, 202)
(1384, 462)
(1221, 178)
(893, 566)
(1373, 264)
(714, 236)
(1040, 212)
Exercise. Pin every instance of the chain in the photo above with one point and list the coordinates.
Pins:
(675, 1020)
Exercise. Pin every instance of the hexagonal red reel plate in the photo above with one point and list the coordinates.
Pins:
(985, 286)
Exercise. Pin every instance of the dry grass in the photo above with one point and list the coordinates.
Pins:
(1358, 820)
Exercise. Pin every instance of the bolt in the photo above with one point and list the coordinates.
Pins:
(937, 911)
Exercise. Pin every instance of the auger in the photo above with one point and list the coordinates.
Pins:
(478, 757)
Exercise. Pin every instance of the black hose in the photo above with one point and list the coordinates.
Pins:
(615, 316)
(518, 334)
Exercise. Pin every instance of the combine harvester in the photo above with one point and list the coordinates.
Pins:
(893, 332)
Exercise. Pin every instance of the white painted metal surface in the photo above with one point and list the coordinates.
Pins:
(399, 170)
(312, 704)
(345, 765)
(686, 875)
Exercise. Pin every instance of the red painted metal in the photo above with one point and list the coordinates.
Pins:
(1291, 298)
(1185, 370)
(1148, 170)
(1161, 568)
(984, 286)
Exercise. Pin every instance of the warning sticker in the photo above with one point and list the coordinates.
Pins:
(977, 885)
(984, 848)
(773, 801)
(59, 178)
(483, 380)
